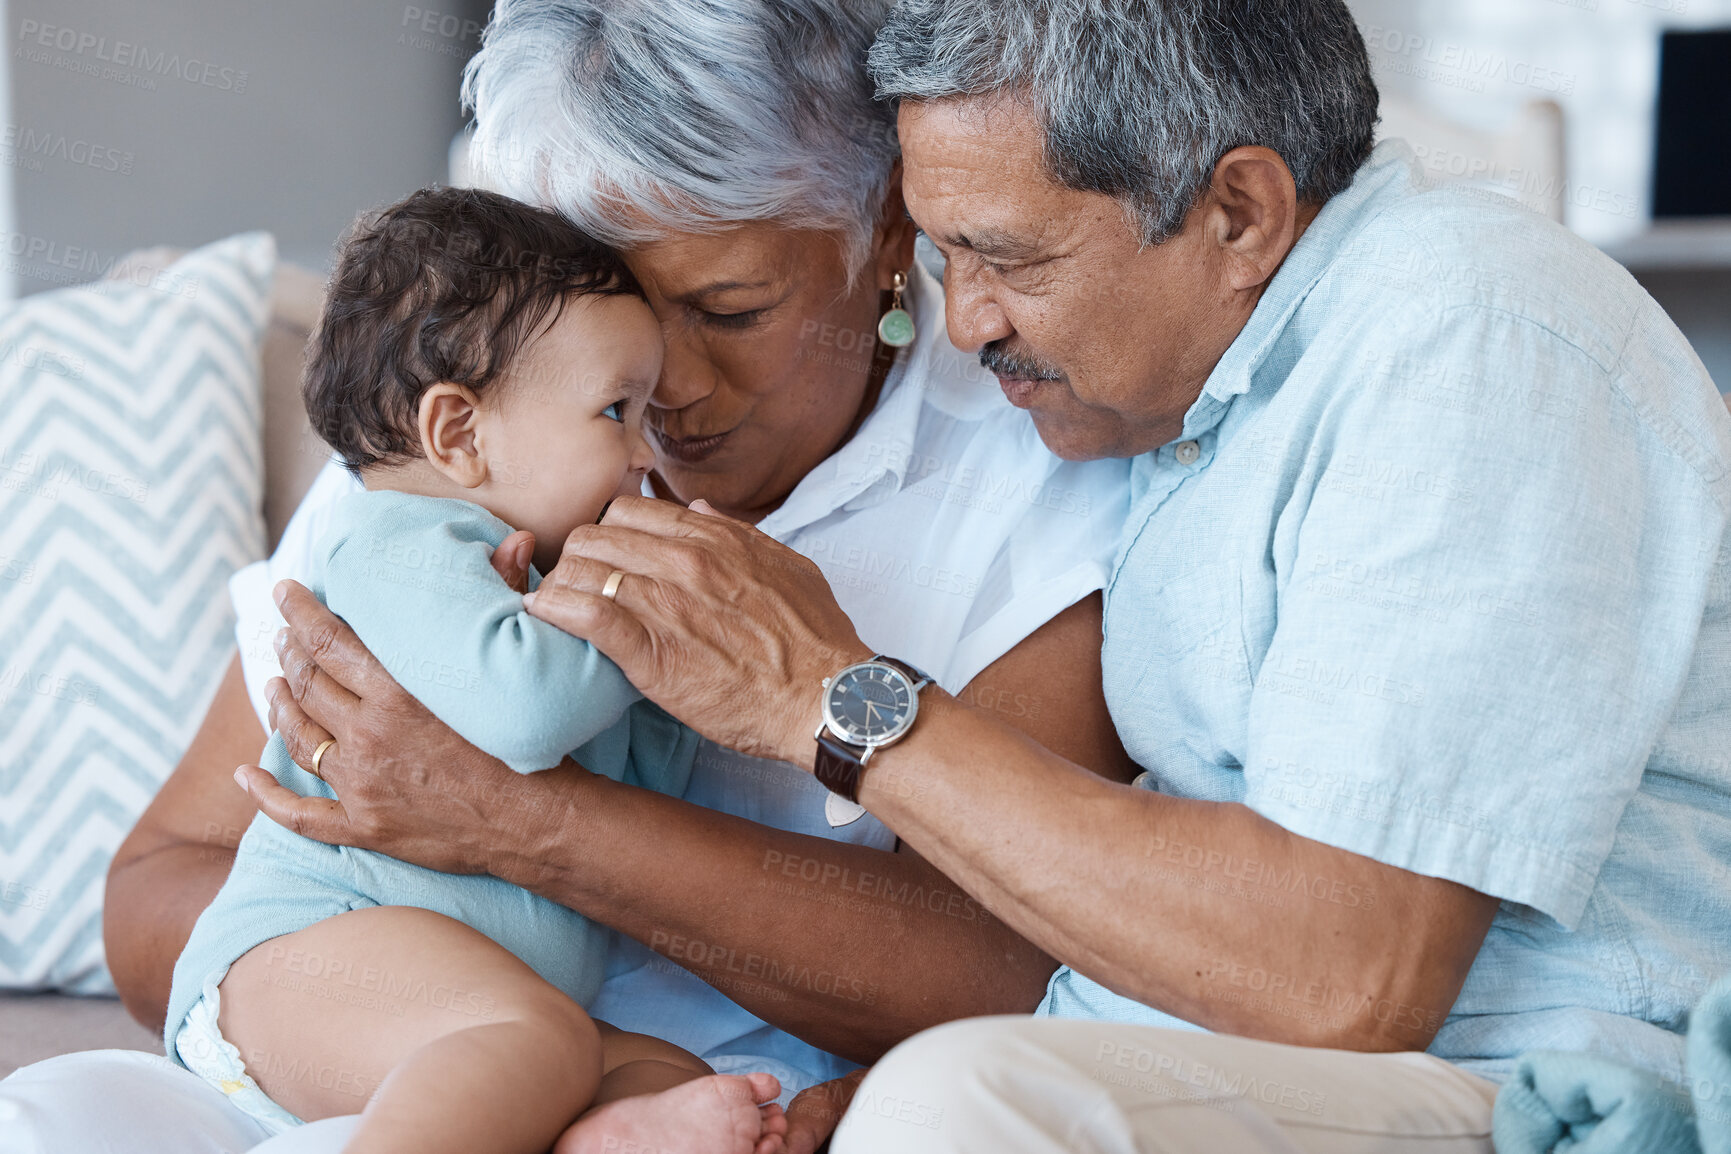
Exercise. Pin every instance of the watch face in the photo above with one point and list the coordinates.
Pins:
(870, 704)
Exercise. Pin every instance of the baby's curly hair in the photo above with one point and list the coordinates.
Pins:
(445, 285)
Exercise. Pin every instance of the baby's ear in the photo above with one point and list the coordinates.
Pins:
(450, 417)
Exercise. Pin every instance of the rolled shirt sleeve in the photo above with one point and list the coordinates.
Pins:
(1055, 551)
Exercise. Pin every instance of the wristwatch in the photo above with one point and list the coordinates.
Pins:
(866, 706)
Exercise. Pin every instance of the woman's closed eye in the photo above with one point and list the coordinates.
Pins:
(737, 320)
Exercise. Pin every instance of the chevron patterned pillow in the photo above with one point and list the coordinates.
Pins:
(130, 477)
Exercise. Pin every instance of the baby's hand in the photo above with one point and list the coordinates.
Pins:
(511, 559)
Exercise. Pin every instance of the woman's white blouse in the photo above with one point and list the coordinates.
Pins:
(949, 533)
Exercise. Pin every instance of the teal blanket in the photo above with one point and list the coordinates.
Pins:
(1589, 1105)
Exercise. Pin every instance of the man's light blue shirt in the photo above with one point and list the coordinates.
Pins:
(1437, 573)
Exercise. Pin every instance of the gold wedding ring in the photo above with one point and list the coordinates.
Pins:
(319, 755)
(611, 589)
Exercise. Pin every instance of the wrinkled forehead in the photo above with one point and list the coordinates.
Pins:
(974, 135)
(760, 257)
(974, 174)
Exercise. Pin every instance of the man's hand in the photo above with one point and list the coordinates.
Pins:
(410, 787)
(724, 627)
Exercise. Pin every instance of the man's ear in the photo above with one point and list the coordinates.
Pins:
(1254, 214)
(894, 238)
(449, 423)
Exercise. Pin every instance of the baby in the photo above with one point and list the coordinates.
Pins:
(482, 366)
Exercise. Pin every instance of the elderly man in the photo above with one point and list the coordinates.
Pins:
(1421, 624)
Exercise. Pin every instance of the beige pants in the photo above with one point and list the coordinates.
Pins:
(1044, 1085)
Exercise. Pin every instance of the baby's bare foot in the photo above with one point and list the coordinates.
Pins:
(719, 1114)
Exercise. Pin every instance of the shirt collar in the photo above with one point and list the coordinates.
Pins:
(884, 445)
(881, 450)
(1385, 178)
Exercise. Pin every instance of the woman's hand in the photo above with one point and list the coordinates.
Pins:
(409, 786)
(816, 1111)
(724, 627)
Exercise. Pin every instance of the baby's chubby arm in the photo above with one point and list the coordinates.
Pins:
(420, 592)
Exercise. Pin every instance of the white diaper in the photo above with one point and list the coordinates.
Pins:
(208, 1054)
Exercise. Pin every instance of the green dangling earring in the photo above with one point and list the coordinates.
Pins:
(896, 329)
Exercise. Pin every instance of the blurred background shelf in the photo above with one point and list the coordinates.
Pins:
(1702, 244)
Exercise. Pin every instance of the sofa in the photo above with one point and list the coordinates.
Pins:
(38, 1026)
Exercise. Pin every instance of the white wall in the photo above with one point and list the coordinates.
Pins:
(146, 122)
(8, 291)
(1477, 61)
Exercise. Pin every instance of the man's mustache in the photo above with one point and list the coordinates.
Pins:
(1001, 362)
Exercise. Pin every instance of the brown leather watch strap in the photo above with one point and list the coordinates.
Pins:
(838, 767)
(915, 674)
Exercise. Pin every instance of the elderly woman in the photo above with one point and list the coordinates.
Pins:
(1430, 680)
(734, 149)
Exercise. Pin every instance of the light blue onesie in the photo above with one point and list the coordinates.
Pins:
(411, 576)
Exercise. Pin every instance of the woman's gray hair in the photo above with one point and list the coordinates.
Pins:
(642, 118)
(1141, 98)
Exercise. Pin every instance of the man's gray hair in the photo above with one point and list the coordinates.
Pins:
(638, 119)
(1141, 98)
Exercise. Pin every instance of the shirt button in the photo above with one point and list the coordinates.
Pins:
(1188, 451)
